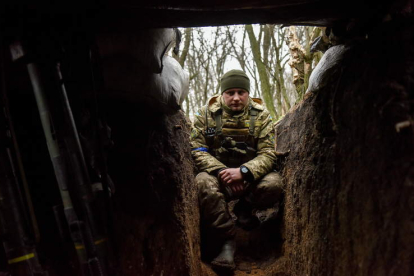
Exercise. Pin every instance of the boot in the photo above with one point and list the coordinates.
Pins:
(225, 260)
(245, 217)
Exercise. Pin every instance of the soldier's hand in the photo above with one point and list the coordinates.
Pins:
(233, 178)
(237, 187)
(230, 175)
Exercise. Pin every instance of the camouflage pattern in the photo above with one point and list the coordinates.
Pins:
(215, 214)
(208, 152)
(267, 192)
(233, 124)
(213, 206)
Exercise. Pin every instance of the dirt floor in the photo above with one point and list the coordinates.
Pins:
(243, 268)
(256, 249)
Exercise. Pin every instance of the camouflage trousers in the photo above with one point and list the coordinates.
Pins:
(214, 210)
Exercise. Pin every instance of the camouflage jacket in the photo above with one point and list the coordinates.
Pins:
(204, 137)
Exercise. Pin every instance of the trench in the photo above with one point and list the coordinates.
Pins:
(348, 170)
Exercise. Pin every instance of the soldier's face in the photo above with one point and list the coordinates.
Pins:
(236, 98)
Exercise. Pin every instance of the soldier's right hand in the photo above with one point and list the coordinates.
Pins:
(237, 187)
(232, 178)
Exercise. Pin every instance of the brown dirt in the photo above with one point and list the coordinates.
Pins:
(256, 249)
(348, 170)
(156, 224)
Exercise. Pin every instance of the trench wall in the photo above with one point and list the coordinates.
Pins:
(347, 154)
(156, 223)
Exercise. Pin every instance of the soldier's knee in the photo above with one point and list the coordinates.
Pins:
(206, 183)
(269, 191)
(274, 177)
(272, 181)
(201, 178)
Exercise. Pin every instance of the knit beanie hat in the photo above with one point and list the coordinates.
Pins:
(235, 79)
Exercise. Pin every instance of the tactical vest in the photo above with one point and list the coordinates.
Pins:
(232, 144)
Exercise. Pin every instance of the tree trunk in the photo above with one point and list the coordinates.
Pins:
(184, 53)
(297, 61)
(279, 70)
(261, 68)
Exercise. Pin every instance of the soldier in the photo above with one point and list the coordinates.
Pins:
(232, 143)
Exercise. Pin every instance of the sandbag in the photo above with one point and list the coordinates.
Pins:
(136, 69)
(144, 47)
(169, 88)
(329, 62)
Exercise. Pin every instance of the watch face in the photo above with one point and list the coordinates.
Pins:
(244, 170)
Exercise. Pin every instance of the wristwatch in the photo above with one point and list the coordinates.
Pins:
(245, 172)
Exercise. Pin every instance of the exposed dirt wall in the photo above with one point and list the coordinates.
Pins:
(156, 222)
(349, 164)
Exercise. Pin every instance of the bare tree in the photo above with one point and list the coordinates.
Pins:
(261, 51)
(272, 44)
(263, 74)
(207, 53)
(302, 60)
(280, 60)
